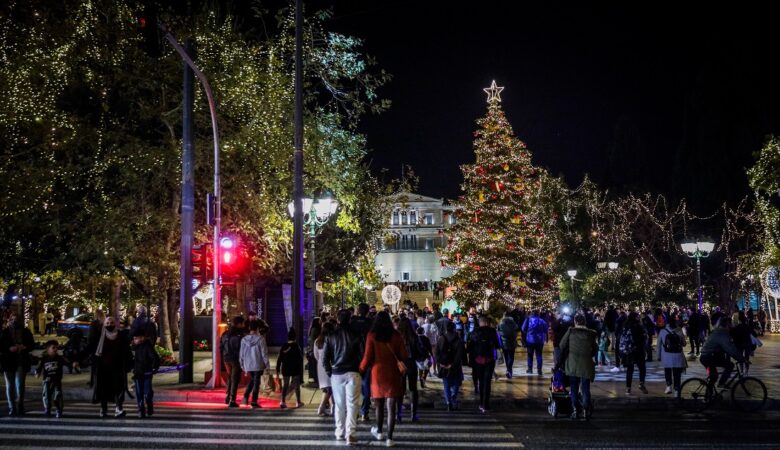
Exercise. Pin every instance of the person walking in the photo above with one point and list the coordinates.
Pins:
(290, 364)
(113, 360)
(341, 359)
(253, 358)
(450, 353)
(50, 369)
(424, 365)
(579, 346)
(145, 364)
(602, 358)
(633, 340)
(361, 323)
(385, 353)
(535, 330)
(761, 315)
(508, 330)
(311, 363)
(93, 337)
(482, 349)
(323, 379)
(415, 352)
(231, 352)
(670, 345)
(16, 343)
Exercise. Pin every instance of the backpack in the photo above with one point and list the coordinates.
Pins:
(672, 343)
(483, 345)
(422, 352)
(626, 345)
(447, 355)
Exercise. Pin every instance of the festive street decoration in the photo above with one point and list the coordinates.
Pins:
(509, 246)
(391, 294)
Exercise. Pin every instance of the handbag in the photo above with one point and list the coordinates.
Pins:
(401, 365)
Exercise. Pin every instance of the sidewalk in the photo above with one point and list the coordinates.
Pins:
(523, 391)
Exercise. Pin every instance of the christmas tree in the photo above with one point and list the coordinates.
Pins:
(503, 246)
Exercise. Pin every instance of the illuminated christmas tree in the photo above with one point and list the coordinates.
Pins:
(504, 244)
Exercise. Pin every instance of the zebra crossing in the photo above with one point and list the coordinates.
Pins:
(200, 426)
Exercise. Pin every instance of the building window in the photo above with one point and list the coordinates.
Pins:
(404, 218)
(429, 218)
(395, 217)
(406, 276)
(412, 217)
(453, 221)
(414, 242)
(429, 244)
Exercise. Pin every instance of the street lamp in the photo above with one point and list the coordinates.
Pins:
(315, 215)
(698, 250)
(572, 273)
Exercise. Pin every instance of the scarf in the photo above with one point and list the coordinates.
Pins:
(110, 335)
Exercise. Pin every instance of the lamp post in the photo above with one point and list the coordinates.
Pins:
(572, 273)
(698, 250)
(315, 215)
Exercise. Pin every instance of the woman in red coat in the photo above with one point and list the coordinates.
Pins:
(384, 348)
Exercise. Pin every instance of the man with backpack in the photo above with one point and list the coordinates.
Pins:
(671, 341)
(230, 344)
(535, 330)
(449, 355)
(482, 347)
(632, 350)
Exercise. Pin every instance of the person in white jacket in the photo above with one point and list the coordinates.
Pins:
(671, 341)
(254, 360)
(322, 376)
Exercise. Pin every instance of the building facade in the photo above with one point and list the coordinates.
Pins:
(414, 238)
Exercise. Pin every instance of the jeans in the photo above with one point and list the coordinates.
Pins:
(535, 348)
(602, 357)
(576, 382)
(451, 388)
(51, 393)
(286, 381)
(365, 390)
(234, 377)
(346, 397)
(712, 362)
(483, 374)
(143, 392)
(695, 342)
(509, 359)
(14, 388)
(640, 362)
(253, 387)
(673, 375)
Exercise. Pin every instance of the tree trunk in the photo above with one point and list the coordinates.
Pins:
(164, 322)
(116, 298)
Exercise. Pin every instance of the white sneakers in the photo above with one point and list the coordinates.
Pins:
(375, 432)
(668, 390)
(615, 369)
(390, 443)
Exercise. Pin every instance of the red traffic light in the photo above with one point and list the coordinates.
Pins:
(227, 257)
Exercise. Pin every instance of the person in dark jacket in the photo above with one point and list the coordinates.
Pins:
(147, 362)
(535, 330)
(716, 350)
(16, 343)
(290, 364)
(231, 352)
(341, 358)
(742, 336)
(93, 336)
(414, 353)
(50, 369)
(482, 349)
(636, 355)
(579, 345)
(620, 322)
(559, 328)
(145, 325)
(311, 363)
(508, 329)
(113, 360)
(450, 354)
(361, 324)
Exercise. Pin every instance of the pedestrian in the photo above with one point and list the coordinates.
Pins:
(579, 346)
(144, 325)
(290, 364)
(93, 337)
(146, 364)
(113, 360)
(695, 333)
(424, 366)
(385, 353)
(415, 351)
(341, 359)
(620, 323)
(671, 341)
(508, 331)
(361, 323)
(311, 363)
(50, 369)
(42, 323)
(602, 358)
(450, 353)
(535, 329)
(230, 344)
(50, 327)
(323, 380)
(16, 343)
(632, 350)
(482, 349)
(742, 335)
(253, 358)
(762, 319)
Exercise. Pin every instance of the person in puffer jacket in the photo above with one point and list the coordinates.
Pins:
(254, 360)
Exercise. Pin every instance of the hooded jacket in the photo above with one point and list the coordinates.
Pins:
(254, 353)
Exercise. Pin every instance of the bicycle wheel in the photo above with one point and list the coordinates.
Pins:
(749, 394)
(693, 395)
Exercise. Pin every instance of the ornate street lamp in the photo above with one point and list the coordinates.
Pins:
(698, 250)
(572, 273)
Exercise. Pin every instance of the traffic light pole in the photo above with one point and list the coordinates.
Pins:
(216, 380)
(298, 247)
(187, 219)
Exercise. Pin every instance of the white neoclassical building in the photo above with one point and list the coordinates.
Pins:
(414, 238)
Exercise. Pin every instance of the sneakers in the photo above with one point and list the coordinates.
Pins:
(142, 414)
(574, 415)
(232, 405)
(365, 418)
(389, 443)
(676, 393)
(615, 369)
(58, 414)
(529, 371)
(120, 413)
(482, 409)
(149, 409)
(254, 405)
(643, 388)
(46, 413)
(352, 440)
(668, 390)
(450, 407)
(300, 405)
(509, 375)
(246, 401)
(282, 405)
(103, 413)
(375, 432)
(628, 391)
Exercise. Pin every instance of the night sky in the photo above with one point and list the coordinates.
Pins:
(668, 100)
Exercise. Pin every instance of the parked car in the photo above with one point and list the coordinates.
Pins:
(80, 321)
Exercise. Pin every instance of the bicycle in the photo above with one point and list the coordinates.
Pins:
(747, 393)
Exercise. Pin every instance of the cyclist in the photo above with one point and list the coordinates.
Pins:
(717, 349)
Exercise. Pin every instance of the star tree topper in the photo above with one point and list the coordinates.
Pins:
(493, 92)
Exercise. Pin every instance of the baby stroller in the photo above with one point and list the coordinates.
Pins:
(558, 401)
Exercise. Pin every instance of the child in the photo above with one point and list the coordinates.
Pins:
(50, 368)
(147, 362)
(254, 360)
(602, 358)
(290, 362)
